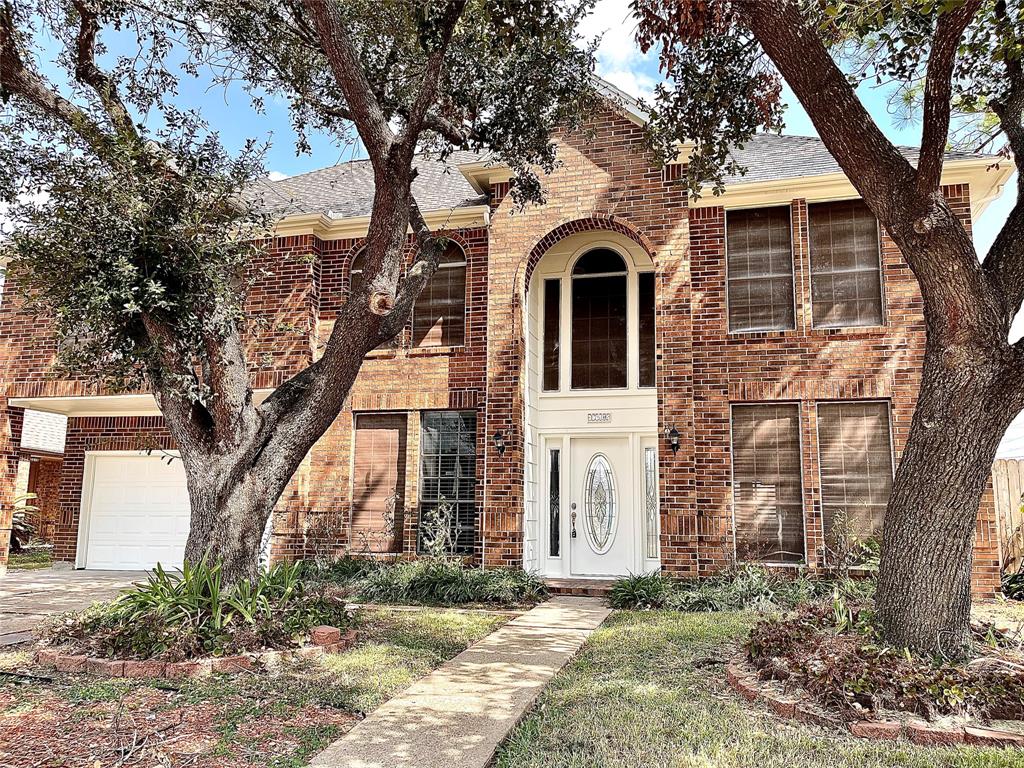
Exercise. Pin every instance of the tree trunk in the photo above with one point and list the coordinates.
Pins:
(924, 587)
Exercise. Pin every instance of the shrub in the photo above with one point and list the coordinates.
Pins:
(345, 570)
(748, 586)
(180, 616)
(1013, 586)
(440, 581)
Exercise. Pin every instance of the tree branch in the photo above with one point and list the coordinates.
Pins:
(876, 168)
(938, 92)
(88, 73)
(16, 78)
(432, 73)
(366, 113)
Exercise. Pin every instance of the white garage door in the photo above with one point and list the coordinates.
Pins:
(138, 512)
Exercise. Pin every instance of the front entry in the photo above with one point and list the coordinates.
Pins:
(602, 509)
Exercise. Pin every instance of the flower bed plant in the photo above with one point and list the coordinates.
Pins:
(175, 617)
(832, 650)
(442, 581)
(747, 586)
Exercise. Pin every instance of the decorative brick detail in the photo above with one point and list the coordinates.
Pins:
(47, 657)
(929, 735)
(182, 670)
(145, 669)
(105, 667)
(885, 730)
(70, 664)
(232, 664)
(989, 737)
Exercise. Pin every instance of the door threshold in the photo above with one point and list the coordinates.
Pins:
(587, 587)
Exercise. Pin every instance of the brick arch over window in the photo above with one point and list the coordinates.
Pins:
(575, 227)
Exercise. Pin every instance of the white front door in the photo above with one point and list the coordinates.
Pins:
(603, 520)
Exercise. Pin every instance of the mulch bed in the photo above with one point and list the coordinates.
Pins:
(150, 727)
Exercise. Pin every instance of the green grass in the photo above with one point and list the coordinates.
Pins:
(649, 690)
(32, 559)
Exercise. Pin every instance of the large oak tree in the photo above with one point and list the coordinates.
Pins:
(960, 63)
(136, 235)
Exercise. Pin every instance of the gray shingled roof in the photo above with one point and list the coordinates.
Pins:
(769, 157)
(346, 190)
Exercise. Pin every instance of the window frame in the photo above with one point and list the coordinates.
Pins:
(732, 479)
(628, 275)
(884, 322)
(817, 438)
(792, 268)
(477, 483)
(464, 264)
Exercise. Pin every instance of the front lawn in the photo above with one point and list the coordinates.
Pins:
(30, 559)
(242, 721)
(649, 690)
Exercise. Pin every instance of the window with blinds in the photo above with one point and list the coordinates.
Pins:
(759, 263)
(855, 459)
(846, 279)
(378, 482)
(439, 315)
(448, 472)
(767, 490)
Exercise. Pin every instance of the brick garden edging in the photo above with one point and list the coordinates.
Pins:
(802, 709)
(324, 640)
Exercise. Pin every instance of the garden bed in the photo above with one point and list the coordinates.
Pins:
(827, 662)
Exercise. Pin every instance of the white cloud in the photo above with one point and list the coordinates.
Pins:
(277, 176)
(618, 57)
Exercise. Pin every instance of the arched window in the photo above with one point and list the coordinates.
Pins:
(439, 317)
(599, 321)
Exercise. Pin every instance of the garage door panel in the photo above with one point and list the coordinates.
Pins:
(138, 513)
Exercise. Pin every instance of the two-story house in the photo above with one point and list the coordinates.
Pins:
(620, 380)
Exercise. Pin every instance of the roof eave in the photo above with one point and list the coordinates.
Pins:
(328, 228)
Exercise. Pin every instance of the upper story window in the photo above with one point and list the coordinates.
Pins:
(599, 286)
(846, 279)
(439, 316)
(759, 264)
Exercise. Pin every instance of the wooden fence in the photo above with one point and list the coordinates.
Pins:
(1008, 485)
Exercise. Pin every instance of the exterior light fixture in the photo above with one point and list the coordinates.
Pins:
(499, 442)
(673, 439)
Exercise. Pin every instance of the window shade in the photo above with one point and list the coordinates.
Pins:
(378, 481)
(855, 457)
(759, 258)
(439, 316)
(448, 471)
(767, 490)
(846, 281)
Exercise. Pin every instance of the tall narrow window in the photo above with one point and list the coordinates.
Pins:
(651, 501)
(378, 481)
(554, 503)
(855, 457)
(767, 498)
(439, 316)
(846, 280)
(552, 331)
(448, 477)
(599, 321)
(759, 259)
(645, 296)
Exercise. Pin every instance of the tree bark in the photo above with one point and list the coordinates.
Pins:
(924, 586)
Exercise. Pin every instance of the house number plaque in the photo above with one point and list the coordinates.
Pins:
(599, 418)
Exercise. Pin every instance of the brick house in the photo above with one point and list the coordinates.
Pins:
(619, 380)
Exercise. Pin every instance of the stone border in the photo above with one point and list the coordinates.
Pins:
(324, 640)
(802, 709)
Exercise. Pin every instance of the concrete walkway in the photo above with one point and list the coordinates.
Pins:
(26, 597)
(456, 716)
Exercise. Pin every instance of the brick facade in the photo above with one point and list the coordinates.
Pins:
(606, 181)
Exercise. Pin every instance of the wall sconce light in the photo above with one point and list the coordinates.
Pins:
(499, 442)
(673, 439)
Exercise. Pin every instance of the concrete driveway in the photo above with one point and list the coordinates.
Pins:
(28, 596)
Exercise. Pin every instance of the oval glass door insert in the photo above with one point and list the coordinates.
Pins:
(599, 504)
